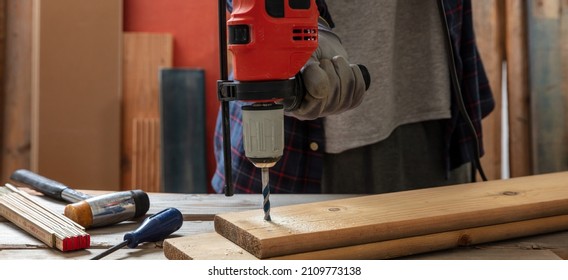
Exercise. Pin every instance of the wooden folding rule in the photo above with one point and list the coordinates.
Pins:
(53, 229)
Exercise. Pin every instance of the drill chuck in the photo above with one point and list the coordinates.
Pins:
(109, 209)
(263, 133)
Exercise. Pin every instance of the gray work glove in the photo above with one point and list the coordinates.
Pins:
(332, 84)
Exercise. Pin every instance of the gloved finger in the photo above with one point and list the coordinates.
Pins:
(333, 96)
(352, 83)
(347, 83)
(360, 87)
(316, 80)
(310, 109)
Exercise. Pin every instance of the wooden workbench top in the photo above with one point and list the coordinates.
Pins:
(199, 210)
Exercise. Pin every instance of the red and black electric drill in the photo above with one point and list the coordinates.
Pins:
(271, 40)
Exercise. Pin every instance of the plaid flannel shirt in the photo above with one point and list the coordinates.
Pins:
(300, 168)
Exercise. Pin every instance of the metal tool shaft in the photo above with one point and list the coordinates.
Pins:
(265, 194)
(47, 186)
(110, 250)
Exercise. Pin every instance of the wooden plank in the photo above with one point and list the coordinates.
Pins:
(146, 171)
(196, 47)
(520, 161)
(488, 26)
(144, 55)
(548, 40)
(2, 66)
(140, 253)
(16, 112)
(12, 237)
(182, 111)
(212, 246)
(76, 92)
(373, 218)
(205, 246)
(489, 254)
(203, 207)
(16, 244)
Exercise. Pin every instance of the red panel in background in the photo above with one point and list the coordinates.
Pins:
(194, 25)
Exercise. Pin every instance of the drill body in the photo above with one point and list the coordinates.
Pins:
(270, 42)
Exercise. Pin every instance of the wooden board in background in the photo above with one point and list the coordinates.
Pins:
(373, 218)
(194, 25)
(548, 60)
(144, 55)
(76, 69)
(146, 170)
(488, 26)
(15, 114)
(564, 59)
(182, 111)
(520, 157)
(2, 66)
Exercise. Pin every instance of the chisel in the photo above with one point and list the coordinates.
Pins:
(48, 187)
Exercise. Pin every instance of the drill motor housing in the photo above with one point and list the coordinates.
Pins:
(271, 39)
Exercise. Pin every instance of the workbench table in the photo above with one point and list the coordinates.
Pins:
(199, 210)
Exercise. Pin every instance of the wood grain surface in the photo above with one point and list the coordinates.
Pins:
(16, 244)
(15, 113)
(373, 218)
(2, 64)
(203, 207)
(212, 246)
(144, 54)
(488, 26)
(516, 52)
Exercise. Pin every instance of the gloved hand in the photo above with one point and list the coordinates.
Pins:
(332, 84)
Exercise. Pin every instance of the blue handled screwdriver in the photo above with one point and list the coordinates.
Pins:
(154, 228)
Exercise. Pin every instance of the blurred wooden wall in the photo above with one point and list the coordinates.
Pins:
(15, 110)
(548, 61)
(2, 62)
(519, 117)
(488, 25)
(530, 36)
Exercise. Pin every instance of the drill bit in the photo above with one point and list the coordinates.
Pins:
(265, 194)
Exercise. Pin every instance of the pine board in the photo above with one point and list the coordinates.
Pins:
(491, 254)
(3, 20)
(144, 55)
(194, 25)
(15, 114)
(148, 253)
(203, 207)
(488, 26)
(212, 246)
(516, 48)
(373, 218)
